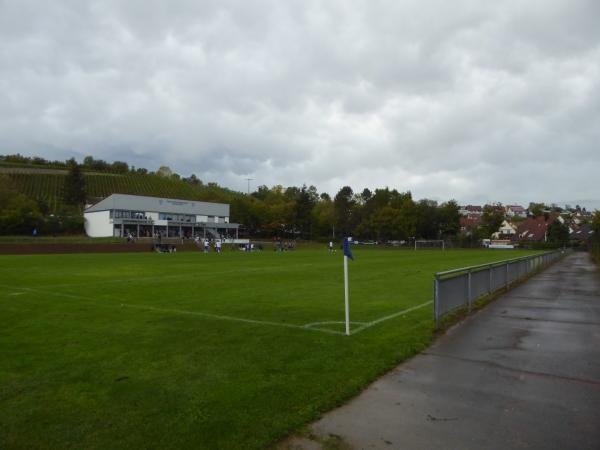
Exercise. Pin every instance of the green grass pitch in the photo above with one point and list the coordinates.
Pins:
(189, 350)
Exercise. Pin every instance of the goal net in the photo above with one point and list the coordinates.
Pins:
(430, 244)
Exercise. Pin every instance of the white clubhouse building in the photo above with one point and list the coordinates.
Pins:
(121, 215)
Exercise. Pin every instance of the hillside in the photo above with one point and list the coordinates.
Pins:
(46, 186)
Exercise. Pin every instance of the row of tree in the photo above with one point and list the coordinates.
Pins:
(380, 215)
(89, 164)
(288, 212)
(20, 214)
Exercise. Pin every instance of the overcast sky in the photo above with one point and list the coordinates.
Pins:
(472, 100)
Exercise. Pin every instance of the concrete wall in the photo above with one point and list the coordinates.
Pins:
(98, 224)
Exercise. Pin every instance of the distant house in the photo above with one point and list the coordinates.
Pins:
(469, 223)
(506, 230)
(515, 211)
(534, 229)
(470, 210)
(582, 216)
(581, 233)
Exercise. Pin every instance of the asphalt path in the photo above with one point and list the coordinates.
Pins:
(522, 373)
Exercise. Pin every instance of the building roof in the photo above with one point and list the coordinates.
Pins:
(516, 208)
(582, 233)
(532, 229)
(470, 222)
(156, 204)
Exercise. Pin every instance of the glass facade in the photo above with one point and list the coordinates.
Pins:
(188, 218)
(122, 214)
(140, 215)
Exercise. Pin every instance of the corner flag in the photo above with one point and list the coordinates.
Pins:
(346, 247)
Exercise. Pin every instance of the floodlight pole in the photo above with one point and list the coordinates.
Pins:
(347, 303)
(249, 180)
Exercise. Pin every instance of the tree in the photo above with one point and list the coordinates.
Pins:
(536, 209)
(74, 192)
(323, 218)
(304, 204)
(18, 213)
(385, 223)
(449, 218)
(558, 233)
(596, 224)
(343, 204)
(164, 171)
(427, 220)
(366, 195)
(119, 167)
(595, 240)
(491, 219)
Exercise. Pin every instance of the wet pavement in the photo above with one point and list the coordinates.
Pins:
(523, 373)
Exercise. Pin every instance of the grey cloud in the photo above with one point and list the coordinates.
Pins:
(467, 100)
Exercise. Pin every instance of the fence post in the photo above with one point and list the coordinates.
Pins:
(436, 300)
(469, 289)
(490, 268)
(506, 285)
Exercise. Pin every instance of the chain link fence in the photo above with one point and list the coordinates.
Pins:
(460, 288)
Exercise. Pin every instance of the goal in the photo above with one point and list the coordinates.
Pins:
(430, 244)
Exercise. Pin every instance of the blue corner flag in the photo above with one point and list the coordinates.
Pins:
(347, 251)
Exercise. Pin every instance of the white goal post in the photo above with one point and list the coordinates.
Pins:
(430, 243)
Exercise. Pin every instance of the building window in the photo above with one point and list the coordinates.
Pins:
(185, 218)
(124, 214)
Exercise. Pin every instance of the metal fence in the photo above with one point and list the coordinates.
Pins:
(460, 288)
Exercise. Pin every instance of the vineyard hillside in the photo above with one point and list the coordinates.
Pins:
(48, 187)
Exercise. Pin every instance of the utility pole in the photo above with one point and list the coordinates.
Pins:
(249, 180)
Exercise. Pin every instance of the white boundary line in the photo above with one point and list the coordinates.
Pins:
(94, 302)
(391, 316)
(231, 318)
(312, 324)
(309, 326)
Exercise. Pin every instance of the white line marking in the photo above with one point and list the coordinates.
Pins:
(92, 301)
(331, 322)
(309, 326)
(391, 316)
(230, 318)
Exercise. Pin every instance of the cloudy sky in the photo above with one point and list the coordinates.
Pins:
(472, 100)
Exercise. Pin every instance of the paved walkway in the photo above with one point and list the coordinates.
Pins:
(523, 373)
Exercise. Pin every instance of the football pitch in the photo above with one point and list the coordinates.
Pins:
(192, 350)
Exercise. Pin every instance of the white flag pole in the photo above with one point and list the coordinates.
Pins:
(346, 295)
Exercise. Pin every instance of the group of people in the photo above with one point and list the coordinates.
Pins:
(206, 244)
(281, 246)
